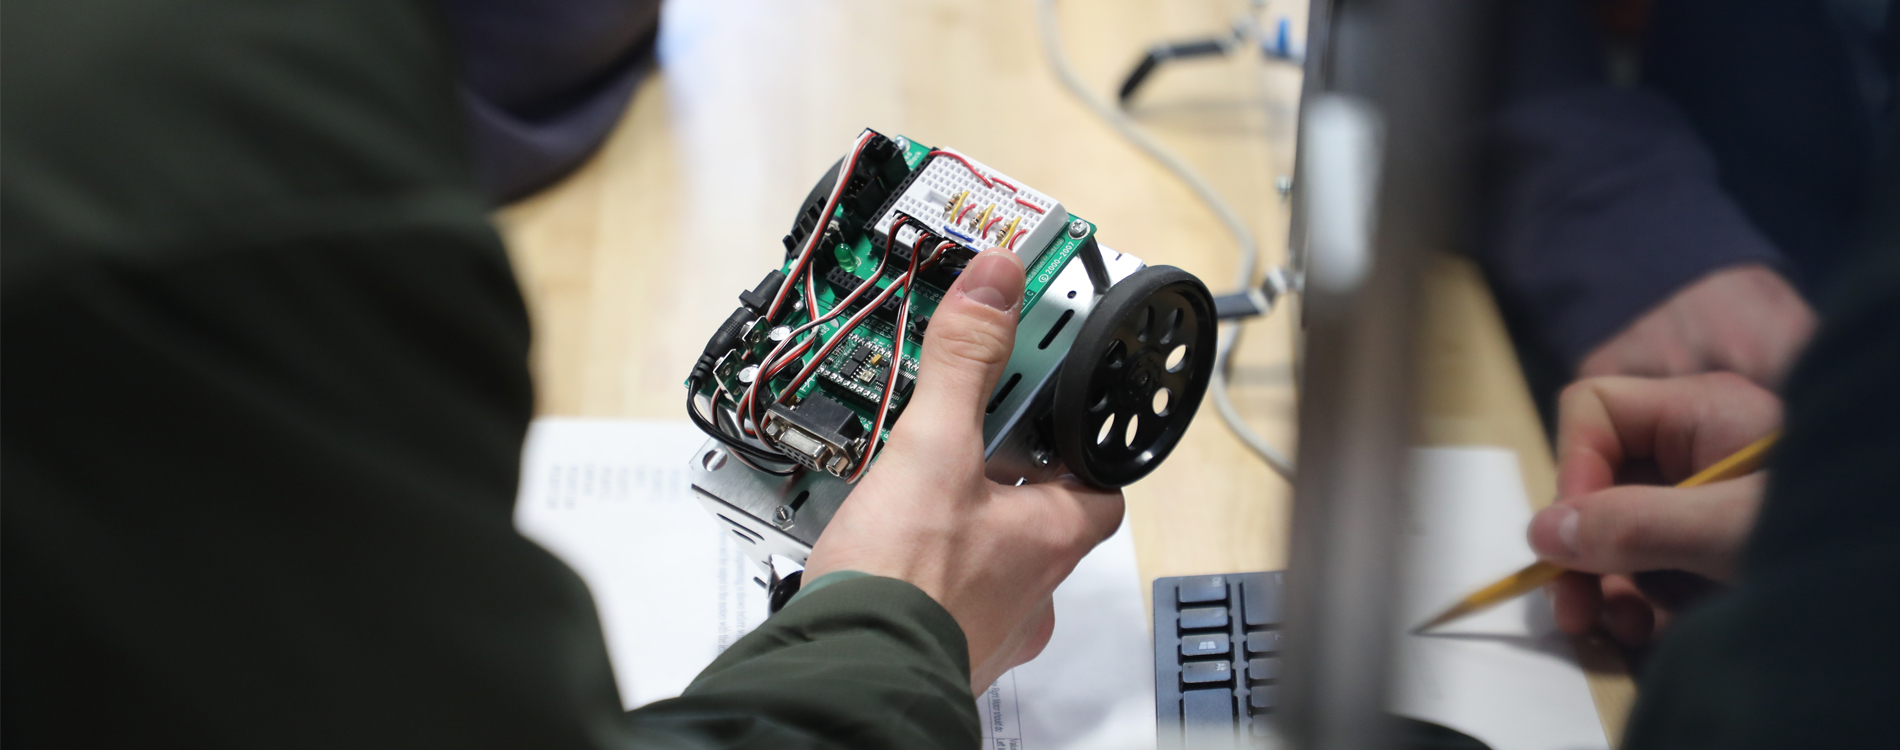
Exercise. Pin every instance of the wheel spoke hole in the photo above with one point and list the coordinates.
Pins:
(1117, 352)
(1177, 358)
(1160, 404)
(1144, 320)
(1108, 425)
(1134, 428)
(1171, 326)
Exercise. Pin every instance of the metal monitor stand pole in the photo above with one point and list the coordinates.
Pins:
(1393, 94)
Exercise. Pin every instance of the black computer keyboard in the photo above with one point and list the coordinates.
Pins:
(1217, 660)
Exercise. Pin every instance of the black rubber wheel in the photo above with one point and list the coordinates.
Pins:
(1151, 333)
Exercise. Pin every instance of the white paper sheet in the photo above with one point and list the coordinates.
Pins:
(611, 499)
(1506, 676)
(1093, 687)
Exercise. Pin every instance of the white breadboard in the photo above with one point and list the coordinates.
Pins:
(945, 178)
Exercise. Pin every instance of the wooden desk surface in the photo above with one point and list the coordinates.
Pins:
(629, 263)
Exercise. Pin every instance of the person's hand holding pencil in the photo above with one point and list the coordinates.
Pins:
(1621, 444)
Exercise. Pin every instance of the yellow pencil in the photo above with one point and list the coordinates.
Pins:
(1524, 581)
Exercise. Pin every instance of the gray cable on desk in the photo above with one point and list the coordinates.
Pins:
(1243, 237)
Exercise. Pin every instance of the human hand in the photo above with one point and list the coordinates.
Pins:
(1745, 319)
(1617, 440)
(990, 554)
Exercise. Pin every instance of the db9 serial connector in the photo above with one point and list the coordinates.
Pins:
(821, 434)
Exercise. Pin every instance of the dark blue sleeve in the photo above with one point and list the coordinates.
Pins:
(1602, 200)
(1607, 205)
(543, 83)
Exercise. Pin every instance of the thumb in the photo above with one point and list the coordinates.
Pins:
(969, 341)
(1634, 528)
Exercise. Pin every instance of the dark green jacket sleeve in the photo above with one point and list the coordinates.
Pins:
(265, 390)
(865, 662)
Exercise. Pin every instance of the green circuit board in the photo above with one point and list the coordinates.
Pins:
(855, 371)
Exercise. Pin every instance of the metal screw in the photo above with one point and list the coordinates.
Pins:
(750, 373)
(782, 517)
(1078, 228)
(1042, 455)
(1285, 186)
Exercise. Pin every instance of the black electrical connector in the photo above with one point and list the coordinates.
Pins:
(952, 257)
(823, 416)
(890, 203)
(900, 257)
(953, 260)
(810, 212)
(821, 433)
(842, 281)
(720, 343)
(761, 295)
(879, 171)
(886, 312)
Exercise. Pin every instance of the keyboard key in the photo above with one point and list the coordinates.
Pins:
(1199, 672)
(1203, 617)
(1208, 718)
(1261, 670)
(1266, 642)
(1260, 599)
(1202, 590)
(1206, 645)
(1262, 698)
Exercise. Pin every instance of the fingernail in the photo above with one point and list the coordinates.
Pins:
(993, 279)
(1558, 522)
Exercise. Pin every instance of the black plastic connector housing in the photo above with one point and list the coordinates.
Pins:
(950, 263)
(819, 433)
(952, 257)
(842, 281)
(825, 417)
(761, 296)
(808, 212)
(879, 172)
(890, 202)
(721, 342)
